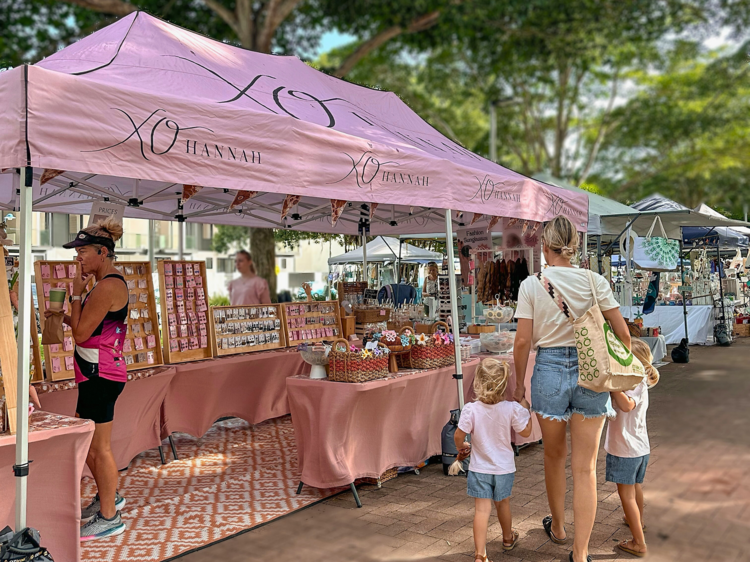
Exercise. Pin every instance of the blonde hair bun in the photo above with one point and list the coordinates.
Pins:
(108, 227)
(561, 237)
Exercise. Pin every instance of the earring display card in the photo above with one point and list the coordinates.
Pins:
(243, 329)
(311, 321)
(141, 310)
(57, 274)
(179, 304)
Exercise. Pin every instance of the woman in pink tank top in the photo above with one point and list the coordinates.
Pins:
(99, 324)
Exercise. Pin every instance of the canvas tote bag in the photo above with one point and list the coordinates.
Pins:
(656, 253)
(604, 363)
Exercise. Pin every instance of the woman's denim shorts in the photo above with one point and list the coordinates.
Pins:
(495, 487)
(555, 393)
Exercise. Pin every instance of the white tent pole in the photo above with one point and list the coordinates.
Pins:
(454, 306)
(24, 329)
(151, 243)
(180, 240)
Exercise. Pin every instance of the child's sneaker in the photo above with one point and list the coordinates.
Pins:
(95, 505)
(101, 528)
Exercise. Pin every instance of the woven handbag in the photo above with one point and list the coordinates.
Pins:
(604, 363)
(349, 366)
(433, 355)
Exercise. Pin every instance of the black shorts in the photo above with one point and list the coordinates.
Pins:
(96, 399)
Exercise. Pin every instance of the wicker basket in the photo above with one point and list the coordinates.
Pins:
(347, 366)
(432, 355)
(742, 330)
(398, 326)
(370, 315)
(389, 474)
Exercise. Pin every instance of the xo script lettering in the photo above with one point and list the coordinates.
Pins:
(365, 169)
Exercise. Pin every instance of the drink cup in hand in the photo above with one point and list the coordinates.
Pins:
(56, 299)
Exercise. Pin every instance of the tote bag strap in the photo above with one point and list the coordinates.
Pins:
(593, 287)
(556, 296)
(657, 218)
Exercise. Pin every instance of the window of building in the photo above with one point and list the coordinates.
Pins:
(209, 263)
(225, 265)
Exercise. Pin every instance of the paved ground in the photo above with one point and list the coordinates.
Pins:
(697, 492)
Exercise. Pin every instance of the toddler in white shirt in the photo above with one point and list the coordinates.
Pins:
(628, 449)
(489, 420)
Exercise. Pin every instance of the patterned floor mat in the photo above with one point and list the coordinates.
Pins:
(236, 477)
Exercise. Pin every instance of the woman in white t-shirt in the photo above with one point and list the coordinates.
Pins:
(556, 397)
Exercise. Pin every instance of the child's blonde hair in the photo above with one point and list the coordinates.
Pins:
(643, 352)
(491, 380)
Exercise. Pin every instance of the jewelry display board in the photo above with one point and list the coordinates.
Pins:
(35, 361)
(141, 346)
(184, 310)
(242, 329)
(58, 358)
(311, 321)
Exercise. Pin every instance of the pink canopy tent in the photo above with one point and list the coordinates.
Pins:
(177, 126)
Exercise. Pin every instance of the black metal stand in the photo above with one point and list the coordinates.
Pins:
(174, 448)
(161, 454)
(355, 494)
(352, 487)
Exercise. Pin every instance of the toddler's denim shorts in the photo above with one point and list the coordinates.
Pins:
(621, 470)
(495, 487)
(555, 393)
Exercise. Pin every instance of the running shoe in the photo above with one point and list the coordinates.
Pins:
(101, 528)
(94, 507)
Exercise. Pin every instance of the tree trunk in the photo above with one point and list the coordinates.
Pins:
(263, 249)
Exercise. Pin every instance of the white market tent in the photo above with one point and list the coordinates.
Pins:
(176, 126)
(384, 249)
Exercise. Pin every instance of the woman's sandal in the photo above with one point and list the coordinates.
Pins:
(625, 520)
(513, 544)
(547, 524)
(622, 546)
(482, 557)
(588, 557)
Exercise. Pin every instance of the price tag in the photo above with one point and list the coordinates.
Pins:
(382, 313)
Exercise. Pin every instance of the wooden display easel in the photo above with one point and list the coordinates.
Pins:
(172, 357)
(136, 272)
(8, 353)
(336, 312)
(220, 352)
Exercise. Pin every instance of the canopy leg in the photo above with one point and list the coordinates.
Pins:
(21, 468)
(454, 307)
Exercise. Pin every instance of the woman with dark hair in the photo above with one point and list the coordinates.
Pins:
(248, 288)
(99, 322)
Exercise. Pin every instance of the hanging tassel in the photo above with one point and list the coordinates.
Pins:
(535, 228)
(373, 206)
(189, 191)
(240, 197)
(525, 227)
(49, 174)
(476, 217)
(511, 222)
(337, 207)
(289, 202)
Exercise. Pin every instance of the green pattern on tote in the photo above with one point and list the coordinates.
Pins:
(616, 348)
(661, 250)
(588, 369)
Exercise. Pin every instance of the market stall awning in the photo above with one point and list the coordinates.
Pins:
(599, 207)
(674, 216)
(142, 108)
(387, 250)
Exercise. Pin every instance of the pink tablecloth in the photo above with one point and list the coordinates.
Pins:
(137, 425)
(346, 431)
(58, 446)
(250, 386)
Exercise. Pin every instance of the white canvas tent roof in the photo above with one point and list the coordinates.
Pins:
(384, 249)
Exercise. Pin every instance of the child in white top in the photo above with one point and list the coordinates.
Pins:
(489, 421)
(628, 449)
